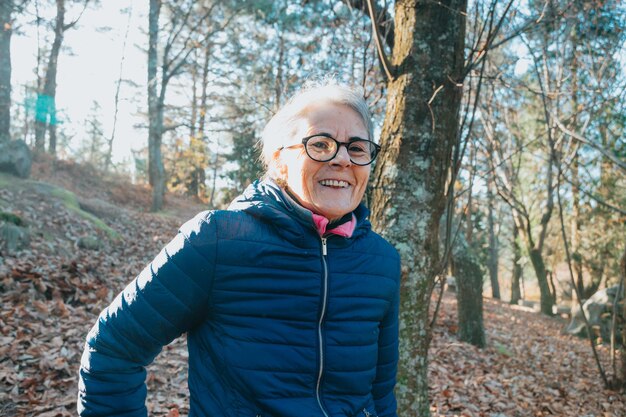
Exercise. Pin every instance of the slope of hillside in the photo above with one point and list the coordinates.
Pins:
(88, 238)
(528, 368)
(52, 291)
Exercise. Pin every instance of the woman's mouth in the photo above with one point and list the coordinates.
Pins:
(335, 183)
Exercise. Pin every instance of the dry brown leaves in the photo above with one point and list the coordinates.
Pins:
(527, 369)
(51, 295)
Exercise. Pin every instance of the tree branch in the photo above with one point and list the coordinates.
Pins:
(75, 21)
(583, 140)
(573, 281)
(596, 198)
(385, 21)
(379, 47)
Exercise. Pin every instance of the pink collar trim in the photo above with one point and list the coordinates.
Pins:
(346, 229)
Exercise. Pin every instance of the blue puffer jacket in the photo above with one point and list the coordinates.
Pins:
(278, 325)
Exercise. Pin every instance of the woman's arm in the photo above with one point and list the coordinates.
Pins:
(169, 297)
(387, 365)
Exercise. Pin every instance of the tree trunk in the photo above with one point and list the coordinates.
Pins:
(493, 244)
(46, 117)
(469, 294)
(575, 221)
(418, 135)
(153, 65)
(536, 257)
(516, 294)
(192, 185)
(278, 82)
(547, 299)
(156, 172)
(158, 188)
(575, 227)
(214, 179)
(622, 272)
(6, 7)
(204, 96)
(193, 118)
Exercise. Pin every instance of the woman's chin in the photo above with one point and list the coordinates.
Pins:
(333, 212)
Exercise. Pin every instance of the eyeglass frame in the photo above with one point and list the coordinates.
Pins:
(377, 147)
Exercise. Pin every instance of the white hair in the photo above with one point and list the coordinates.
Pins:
(282, 126)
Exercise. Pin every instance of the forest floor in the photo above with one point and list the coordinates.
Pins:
(52, 291)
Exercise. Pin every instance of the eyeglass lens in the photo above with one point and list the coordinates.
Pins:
(322, 149)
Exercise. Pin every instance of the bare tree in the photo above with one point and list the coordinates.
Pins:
(493, 240)
(469, 280)
(46, 114)
(516, 278)
(6, 29)
(413, 180)
(504, 168)
(181, 32)
(419, 133)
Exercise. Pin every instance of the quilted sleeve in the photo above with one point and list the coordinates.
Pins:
(387, 365)
(166, 299)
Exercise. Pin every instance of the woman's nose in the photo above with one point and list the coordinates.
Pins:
(342, 157)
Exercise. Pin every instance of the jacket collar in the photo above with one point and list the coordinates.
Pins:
(266, 200)
(344, 227)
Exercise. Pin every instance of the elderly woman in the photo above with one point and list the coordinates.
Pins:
(290, 301)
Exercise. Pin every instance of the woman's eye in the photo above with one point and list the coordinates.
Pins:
(357, 148)
(321, 145)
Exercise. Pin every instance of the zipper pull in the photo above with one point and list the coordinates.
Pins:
(324, 250)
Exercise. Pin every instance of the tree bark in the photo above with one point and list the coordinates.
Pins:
(575, 227)
(204, 108)
(575, 221)
(6, 30)
(516, 294)
(156, 171)
(200, 172)
(546, 296)
(622, 272)
(469, 294)
(493, 244)
(418, 135)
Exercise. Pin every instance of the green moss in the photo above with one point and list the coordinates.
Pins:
(12, 218)
(6, 180)
(503, 350)
(67, 197)
(71, 202)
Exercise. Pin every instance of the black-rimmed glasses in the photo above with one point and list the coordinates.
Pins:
(323, 148)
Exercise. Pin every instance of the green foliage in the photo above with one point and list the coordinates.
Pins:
(246, 154)
(140, 163)
(6, 180)
(186, 164)
(502, 349)
(11, 218)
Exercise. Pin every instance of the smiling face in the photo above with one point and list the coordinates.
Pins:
(332, 188)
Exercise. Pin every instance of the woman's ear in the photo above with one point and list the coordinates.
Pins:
(277, 169)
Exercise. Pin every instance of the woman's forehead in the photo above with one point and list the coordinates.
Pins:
(331, 118)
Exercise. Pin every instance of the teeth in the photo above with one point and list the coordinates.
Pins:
(335, 183)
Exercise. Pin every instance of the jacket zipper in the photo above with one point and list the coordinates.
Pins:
(319, 326)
